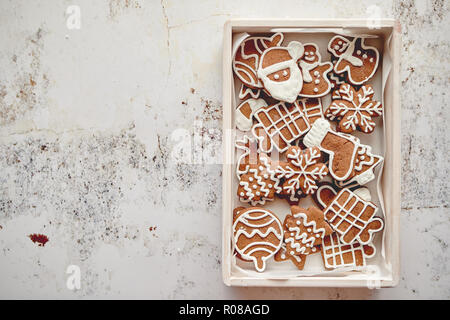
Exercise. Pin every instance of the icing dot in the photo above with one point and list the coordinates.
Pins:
(270, 185)
(276, 77)
(258, 193)
(266, 176)
(292, 234)
(283, 256)
(317, 235)
(358, 52)
(292, 253)
(313, 249)
(298, 249)
(316, 73)
(261, 168)
(317, 81)
(285, 73)
(362, 157)
(364, 56)
(306, 53)
(336, 47)
(316, 90)
(298, 221)
(242, 194)
(250, 179)
(309, 230)
(255, 186)
(339, 42)
(311, 53)
(371, 59)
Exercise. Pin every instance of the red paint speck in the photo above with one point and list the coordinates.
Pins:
(39, 238)
(152, 228)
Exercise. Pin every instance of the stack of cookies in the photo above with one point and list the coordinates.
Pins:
(292, 147)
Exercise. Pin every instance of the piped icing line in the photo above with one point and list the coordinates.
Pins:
(245, 91)
(243, 122)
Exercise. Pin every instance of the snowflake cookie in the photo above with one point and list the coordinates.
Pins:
(354, 109)
(304, 229)
(303, 170)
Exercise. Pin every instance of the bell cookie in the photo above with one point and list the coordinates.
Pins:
(279, 125)
(315, 73)
(354, 109)
(336, 254)
(353, 218)
(359, 61)
(247, 58)
(340, 148)
(279, 72)
(244, 113)
(258, 235)
(303, 170)
(304, 229)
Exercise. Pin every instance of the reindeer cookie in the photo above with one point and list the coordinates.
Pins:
(354, 57)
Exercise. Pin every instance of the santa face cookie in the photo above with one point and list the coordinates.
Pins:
(246, 59)
(314, 72)
(340, 148)
(304, 230)
(303, 170)
(279, 125)
(280, 73)
(354, 109)
(354, 57)
(258, 235)
(353, 218)
(336, 254)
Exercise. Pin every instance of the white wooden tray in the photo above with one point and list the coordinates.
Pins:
(389, 183)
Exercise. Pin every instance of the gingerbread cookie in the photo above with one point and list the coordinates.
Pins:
(247, 58)
(311, 108)
(354, 57)
(259, 184)
(280, 73)
(340, 148)
(353, 218)
(325, 193)
(303, 170)
(244, 113)
(279, 125)
(304, 230)
(354, 109)
(336, 254)
(314, 72)
(247, 93)
(258, 235)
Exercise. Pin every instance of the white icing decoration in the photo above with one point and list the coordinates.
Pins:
(363, 193)
(289, 89)
(242, 122)
(245, 91)
(276, 77)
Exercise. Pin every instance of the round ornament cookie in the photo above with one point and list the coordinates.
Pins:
(258, 235)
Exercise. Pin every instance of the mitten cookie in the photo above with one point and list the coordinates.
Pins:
(279, 125)
(340, 148)
(314, 72)
(246, 59)
(258, 235)
(280, 73)
(353, 218)
(354, 109)
(244, 113)
(303, 170)
(336, 254)
(354, 57)
(304, 229)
